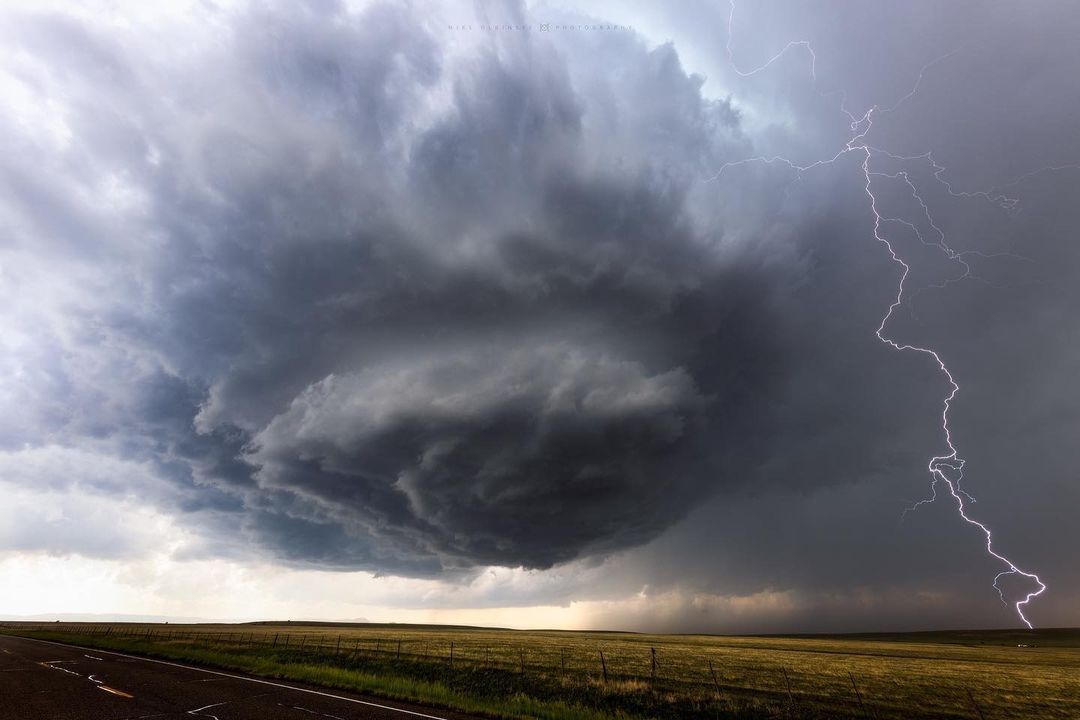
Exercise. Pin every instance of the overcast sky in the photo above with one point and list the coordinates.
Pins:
(339, 310)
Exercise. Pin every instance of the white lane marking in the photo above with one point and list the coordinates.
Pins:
(136, 658)
(311, 712)
(91, 657)
(333, 717)
(52, 666)
(196, 711)
(206, 707)
(55, 665)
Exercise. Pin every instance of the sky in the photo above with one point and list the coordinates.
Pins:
(550, 314)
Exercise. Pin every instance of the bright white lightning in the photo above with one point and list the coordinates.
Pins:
(947, 468)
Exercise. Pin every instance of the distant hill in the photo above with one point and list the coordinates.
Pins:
(110, 617)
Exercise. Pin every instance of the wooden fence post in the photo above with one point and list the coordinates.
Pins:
(858, 695)
(978, 710)
(603, 665)
(790, 695)
(653, 659)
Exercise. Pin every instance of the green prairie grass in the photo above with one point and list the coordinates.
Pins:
(560, 675)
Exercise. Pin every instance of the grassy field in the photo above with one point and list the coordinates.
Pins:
(990, 675)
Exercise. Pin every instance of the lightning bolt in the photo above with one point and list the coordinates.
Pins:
(946, 469)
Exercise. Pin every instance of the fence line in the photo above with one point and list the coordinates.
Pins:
(647, 665)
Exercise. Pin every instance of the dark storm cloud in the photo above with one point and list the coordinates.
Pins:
(527, 457)
(997, 107)
(356, 291)
(395, 333)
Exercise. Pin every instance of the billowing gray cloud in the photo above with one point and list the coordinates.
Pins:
(534, 455)
(355, 289)
(404, 309)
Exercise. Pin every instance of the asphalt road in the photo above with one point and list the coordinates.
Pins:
(41, 680)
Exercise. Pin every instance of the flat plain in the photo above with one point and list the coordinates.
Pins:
(979, 675)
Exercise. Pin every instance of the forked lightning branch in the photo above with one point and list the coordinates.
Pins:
(946, 469)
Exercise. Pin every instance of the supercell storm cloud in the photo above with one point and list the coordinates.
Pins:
(433, 312)
(375, 288)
